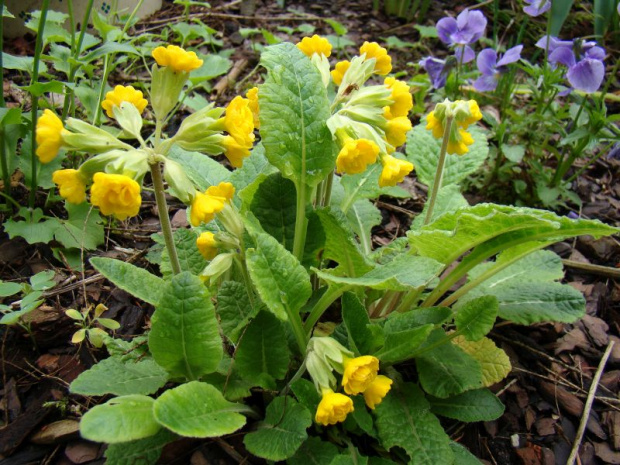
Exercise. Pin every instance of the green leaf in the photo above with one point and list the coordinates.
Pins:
(32, 229)
(185, 338)
(603, 16)
(449, 200)
(190, 257)
(494, 362)
(279, 278)
(43, 280)
(8, 289)
(417, 317)
(137, 281)
(514, 153)
(107, 48)
(212, 66)
(120, 419)
(293, 111)
(400, 345)
(234, 309)
(338, 28)
(263, 349)
(118, 377)
(361, 416)
(560, 10)
(363, 216)
(197, 410)
(477, 317)
(423, 151)
(462, 456)
(83, 229)
(7, 14)
(274, 205)
(253, 166)
(315, 452)
(403, 273)
(41, 88)
(365, 185)
(356, 320)
(446, 370)
(306, 393)
(404, 420)
(201, 169)
(18, 63)
(426, 31)
(282, 432)
(228, 380)
(470, 406)
(53, 31)
(141, 452)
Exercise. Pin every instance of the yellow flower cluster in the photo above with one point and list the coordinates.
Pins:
(121, 94)
(48, 136)
(177, 59)
(205, 205)
(116, 194)
(252, 96)
(356, 155)
(394, 170)
(459, 139)
(315, 44)
(339, 71)
(360, 377)
(383, 61)
(239, 123)
(207, 245)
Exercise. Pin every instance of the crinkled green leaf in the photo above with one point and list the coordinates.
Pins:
(253, 166)
(476, 318)
(462, 456)
(416, 317)
(141, 452)
(399, 346)
(190, 257)
(363, 216)
(201, 169)
(314, 451)
(234, 309)
(356, 320)
(470, 406)
(493, 361)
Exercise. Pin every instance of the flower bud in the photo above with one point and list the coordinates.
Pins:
(128, 117)
(166, 86)
(88, 138)
(218, 266)
(179, 184)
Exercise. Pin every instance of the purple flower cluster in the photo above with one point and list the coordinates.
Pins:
(461, 32)
(491, 67)
(584, 60)
(537, 7)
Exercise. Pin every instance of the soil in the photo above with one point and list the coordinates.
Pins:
(553, 364)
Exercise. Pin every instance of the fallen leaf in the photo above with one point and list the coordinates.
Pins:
(575, 338)
(57, 432)
(82, 451)
(604, 452)
(597, 329)
(545, 426)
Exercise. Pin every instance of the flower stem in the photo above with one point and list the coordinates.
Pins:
(162, 210)
(439, 173)
(328, 298)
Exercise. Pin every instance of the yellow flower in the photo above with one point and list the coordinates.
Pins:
(239, 123)
(376, 391)
(394, 170)
(339, 71)
(396, 130)
(358, 373)
(206, 245)
(121, 94)
(236, 150)
(460, 143)
(48, 136)
(116, 194)
(315, 44)
(475, 115)
(252, 96)
(356, 155)
(333, 408)
(435, 125)
(176, 58)
(71, 185)
(205, 206)
(383, 64)
(403, 101)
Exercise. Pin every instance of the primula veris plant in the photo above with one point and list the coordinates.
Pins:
(284, 237)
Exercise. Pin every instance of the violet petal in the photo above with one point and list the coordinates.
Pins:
(537, 7)
(487, 61)
(435, 69)
(445, 28)
(464, 54)
(596, 53)
(512, 55)
(587, 75)
(563, 55)
(485, 83)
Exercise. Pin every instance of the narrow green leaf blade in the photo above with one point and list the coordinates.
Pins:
(356, 320)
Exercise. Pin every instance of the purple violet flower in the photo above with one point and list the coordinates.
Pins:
(437, 70)
(491, 67)
(584, 60)
(466, 29)
(537, 7)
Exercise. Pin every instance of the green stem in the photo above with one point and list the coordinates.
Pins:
(104, 80)
(38, 49)
(1, 48)
(6, 176)
(439, 172)
(578, 173)
(162, 209)
(328, 298)
(300, 222)
(566, 162)
(327, 195)
(298, 330)
(409, 299)
(240, 261)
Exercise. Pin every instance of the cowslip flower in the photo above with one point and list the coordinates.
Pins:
(339, 71)
(239, 123)
(177, 59)
(206, 205)
(358, 373)
(71, 185)
(355, 155)
(536, 7)
(121, 94)
(461, 32)
(315, 44)
(48, 136)
(207, 245)
(403, 101)
(115, 194)
(377, 390)
(252, 96)
(491, 67)
(333, 408)
(396, 130)
(394, 170)
(383, 61)
(459, 142)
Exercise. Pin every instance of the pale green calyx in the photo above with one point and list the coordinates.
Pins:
(218, 266)
(166, 86)
(322, 64)
(179, 184)
(85, 137)
(129, 118)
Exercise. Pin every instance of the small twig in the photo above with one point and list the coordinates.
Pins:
(230, 78)
(588, 406)
(606, 271)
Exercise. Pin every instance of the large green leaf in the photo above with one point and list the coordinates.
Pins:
(190, 257)
(201, 169)
(363, 216)
(234, 309)
(404, 420)
(262, 351)
(315, 452)
(282, 432)
(185, 338)
(120, 419)
(356, 320)
(137, 281)
(279, 278)
(476, 318)
(83, 228)
(365, 185)
(293, 111)
(141, 452)
(423, 152)
(115, 376)
(449, 199)
(462, 456)
(475, 405)
(198, 410)
(560, 10)
(399, 346)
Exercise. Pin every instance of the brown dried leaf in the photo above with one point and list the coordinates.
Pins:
(606, 454)
(575, 338)
(57, 432)
(545, 426)
(82, 451)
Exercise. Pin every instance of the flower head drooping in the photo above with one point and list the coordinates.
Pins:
(403, 101)
(339, 71)
(239, 123)
(116, 194)
(315, 44)
(252, 96)
(383, 61)
(176, 58)
(396, 130)
(436, 70)
(205, 205)
(355, 155)
(122, 94)
(333, 408)
(491, 67)
(377, 390)
(71, 185)
(207, 246)
(394, 170)
(463, 114)
(461, 32)
(358, 373)
(536, 7)
(49, 136)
